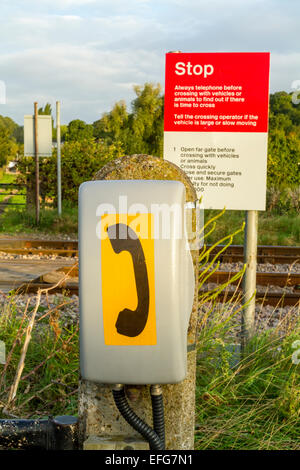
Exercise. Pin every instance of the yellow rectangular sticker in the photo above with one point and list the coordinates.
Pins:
(128, 287)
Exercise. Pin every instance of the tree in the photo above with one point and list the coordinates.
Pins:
(8, 124)
(11, 138)
(113, 126)
(140, 131)
(283, 141)
(8, 148)
(78, 130)
(18, 135)
(281, 104)
(147, 125)
(63, 132)
(46, 111)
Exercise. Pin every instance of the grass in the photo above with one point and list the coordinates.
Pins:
(247, 404)
(15, 199)
(20, 220)
(273, 228)
(8, 178)
(49, 380)
(251, 403)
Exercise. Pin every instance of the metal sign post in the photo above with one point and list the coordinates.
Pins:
(37, 169)
(249, 280)
(58, 157)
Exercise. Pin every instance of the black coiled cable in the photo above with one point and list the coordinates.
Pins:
(158, 416)
(155, 441)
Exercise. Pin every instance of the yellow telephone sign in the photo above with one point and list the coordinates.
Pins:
(128, 286)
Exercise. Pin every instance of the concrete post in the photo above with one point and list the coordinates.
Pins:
(100, 424)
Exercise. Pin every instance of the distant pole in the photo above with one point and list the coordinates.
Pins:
(58, 157)
(249, 281)
(37, 169)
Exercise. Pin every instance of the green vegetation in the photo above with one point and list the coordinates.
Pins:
(79, 131)
(246, 400)
(46, 111)
(273, 228)
(21, 220)
(8, 147)
(139, 131)
(87, 147)
(123, 131)
(49, 380)
(284, 142)
(18, 198)
(248, 404)
(80, 159)
(9, 139)
(6, 178)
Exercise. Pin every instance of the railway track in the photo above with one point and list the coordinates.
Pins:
(70, 286)
(289, 285)
(274, 299)
(44, 273)
(265, 254)
(63, 248)
(262, 278)
(233, 253)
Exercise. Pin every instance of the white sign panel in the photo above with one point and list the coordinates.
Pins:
(228, 170)
(44, 136)
(216, 125)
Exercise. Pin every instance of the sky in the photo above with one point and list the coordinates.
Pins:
(88, 54)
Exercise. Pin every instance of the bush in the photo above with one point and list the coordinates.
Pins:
(79, 162)
(283, 200)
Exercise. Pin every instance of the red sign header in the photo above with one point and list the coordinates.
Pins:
(217, 92)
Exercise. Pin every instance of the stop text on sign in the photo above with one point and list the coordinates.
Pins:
(181, 68)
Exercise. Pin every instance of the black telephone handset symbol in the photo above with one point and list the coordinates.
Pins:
(132, 322)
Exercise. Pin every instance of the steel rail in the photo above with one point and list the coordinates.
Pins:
(70, 284)
(233, 253)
